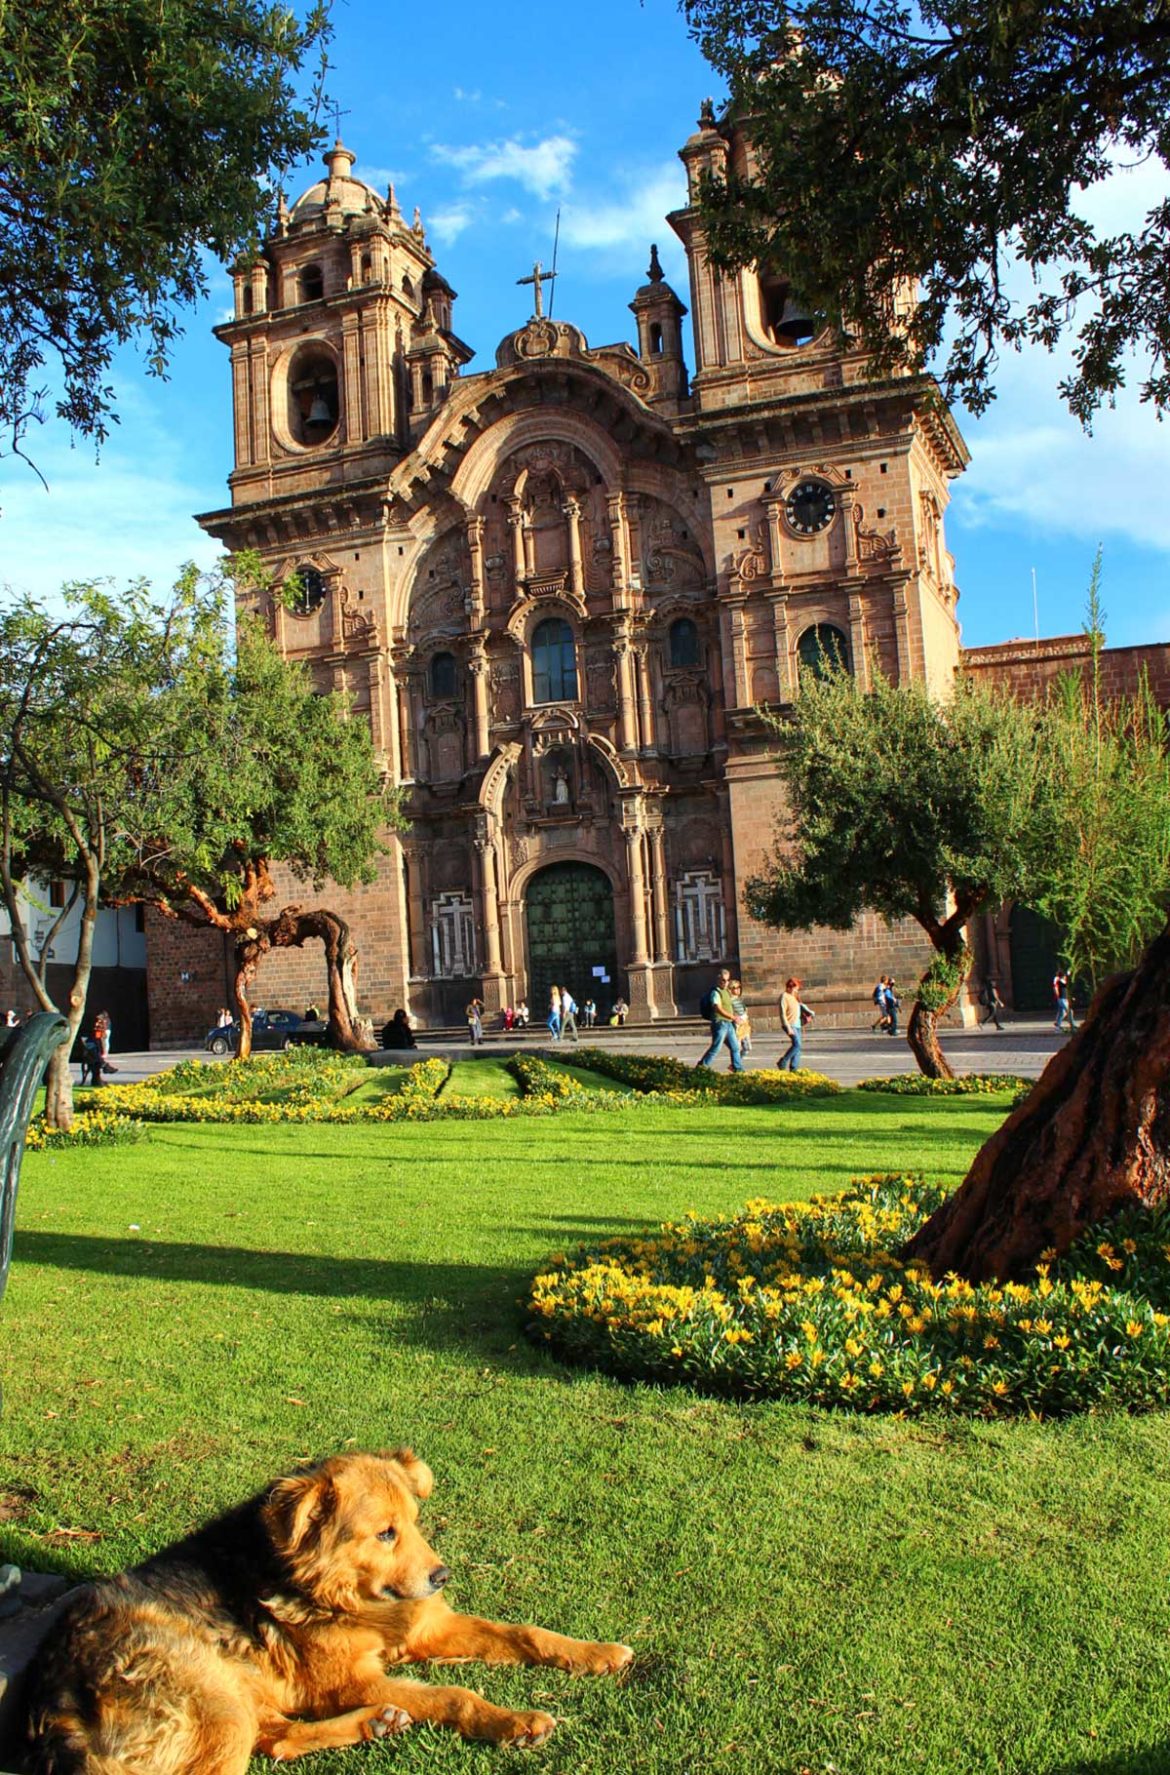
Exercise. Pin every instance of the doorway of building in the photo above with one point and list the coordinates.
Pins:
(1036, 944)
(569, 917)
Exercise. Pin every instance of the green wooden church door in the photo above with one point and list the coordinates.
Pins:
(570, 933)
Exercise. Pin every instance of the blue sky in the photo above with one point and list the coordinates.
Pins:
(488, 119)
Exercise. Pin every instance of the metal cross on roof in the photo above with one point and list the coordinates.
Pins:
(538, 278)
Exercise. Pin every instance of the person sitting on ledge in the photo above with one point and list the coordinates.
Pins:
(398, 1033)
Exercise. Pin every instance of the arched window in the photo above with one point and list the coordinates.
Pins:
(311, 593)
(823, 649)
(655, 337)
(684, 643)
(249, 302)
(367, 268)
(312, 284)
(443, 676)
(554, 663)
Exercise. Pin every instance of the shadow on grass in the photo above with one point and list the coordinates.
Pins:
(1153, 1761)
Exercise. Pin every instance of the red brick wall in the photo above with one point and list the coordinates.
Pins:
(184, 1009)
(1030, 668)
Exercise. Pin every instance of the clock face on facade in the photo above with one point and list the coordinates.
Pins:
(810, 507)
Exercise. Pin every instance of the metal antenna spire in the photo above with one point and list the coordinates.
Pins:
(552, 295)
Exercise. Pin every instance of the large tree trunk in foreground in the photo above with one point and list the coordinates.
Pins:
(938, 989)
(1092, 1136)
(291, 929)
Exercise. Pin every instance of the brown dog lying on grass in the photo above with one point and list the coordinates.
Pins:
(270, 1630)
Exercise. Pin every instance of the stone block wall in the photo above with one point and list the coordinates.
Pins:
(1030, 669)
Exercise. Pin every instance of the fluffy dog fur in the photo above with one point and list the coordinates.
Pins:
(271, 1630)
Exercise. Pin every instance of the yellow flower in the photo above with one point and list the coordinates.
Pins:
(907, 1388)
(1134, 1327)
(793, 1359)
(930, 1382)
(1062, 1342)
(999, 1388)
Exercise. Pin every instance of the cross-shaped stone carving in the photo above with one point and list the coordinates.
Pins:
(538, 278)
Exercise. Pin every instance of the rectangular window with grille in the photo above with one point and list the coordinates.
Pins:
(700, 919)
(452, 937)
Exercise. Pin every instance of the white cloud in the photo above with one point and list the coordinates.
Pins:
(379, 176)
(628, 223)
(467, 98)
(544, 168)
(447, 225)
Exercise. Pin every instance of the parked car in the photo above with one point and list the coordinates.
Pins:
(270, 1029)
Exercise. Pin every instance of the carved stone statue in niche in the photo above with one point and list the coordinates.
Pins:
(560, 788)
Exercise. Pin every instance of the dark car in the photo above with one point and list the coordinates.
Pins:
(270, 1029)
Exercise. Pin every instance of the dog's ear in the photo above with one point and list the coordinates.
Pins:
(296, 1505)
(418, 1476)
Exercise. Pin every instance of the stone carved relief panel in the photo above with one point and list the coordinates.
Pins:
(685, 699)
(504, 691)
(671, 559)
(441, 587)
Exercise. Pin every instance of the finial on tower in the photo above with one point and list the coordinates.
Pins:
(707, 114)
(655, 273)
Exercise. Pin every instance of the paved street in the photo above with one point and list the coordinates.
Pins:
(845, 1054)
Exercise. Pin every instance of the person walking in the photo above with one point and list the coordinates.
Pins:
(893, 1005)
(554, 1013)
(721, 1012)
(992, 1003)
(568, 1015)
(475, 1022)
(792, 1025)
(102, 1033)
(1060, 992)
(743, 1023)
(879, 999)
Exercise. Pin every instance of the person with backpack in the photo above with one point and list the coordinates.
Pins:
(1060, 992)
(568, 1015)
(879, 1000)
(718, 1008)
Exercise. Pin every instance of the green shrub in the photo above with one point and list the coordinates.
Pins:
(678, 1081)
(972, 1084)
(810, 1301)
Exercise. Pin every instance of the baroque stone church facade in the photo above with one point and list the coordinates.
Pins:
(561, 590)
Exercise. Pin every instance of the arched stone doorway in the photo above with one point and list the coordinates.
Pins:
(570, 926)
(1035, 950)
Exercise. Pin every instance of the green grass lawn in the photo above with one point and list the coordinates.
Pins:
(190, 1316)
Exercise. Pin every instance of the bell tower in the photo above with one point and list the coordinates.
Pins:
(341, 343)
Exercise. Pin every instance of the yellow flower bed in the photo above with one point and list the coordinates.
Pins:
(810, 1301)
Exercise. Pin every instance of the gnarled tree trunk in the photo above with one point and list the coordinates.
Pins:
(938, 989)
(292, 928)
(1092, 1136)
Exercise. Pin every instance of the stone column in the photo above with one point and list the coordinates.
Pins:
(739, 656)
(572, 511)
(645, 711)
(627, 734)
(902, 635)
(784, 671)
(616, 508)
(475, 550)
(516, 525)
(773, 503)
(637, 880)
(658, 884)
(490, 903)
(857, 645)
(477, 666)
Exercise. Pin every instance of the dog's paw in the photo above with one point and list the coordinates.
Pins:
(599, 1659)
(526, 1730)
(388, 1722)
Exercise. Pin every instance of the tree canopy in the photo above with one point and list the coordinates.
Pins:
(148, 754)
(137, 138)
(945, 146)
(910, 808)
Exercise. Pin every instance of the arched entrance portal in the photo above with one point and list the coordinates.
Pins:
(569, 916)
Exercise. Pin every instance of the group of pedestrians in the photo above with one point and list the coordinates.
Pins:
(886, 1003)
(731, 1027)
